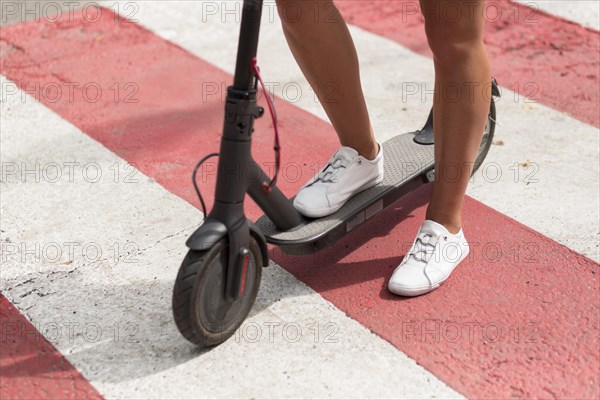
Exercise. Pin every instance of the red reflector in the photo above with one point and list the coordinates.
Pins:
(244, 270)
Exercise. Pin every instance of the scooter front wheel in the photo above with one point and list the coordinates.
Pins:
(201, 312)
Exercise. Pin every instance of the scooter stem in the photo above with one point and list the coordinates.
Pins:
(248, 44)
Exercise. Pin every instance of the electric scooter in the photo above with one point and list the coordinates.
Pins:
(219, 278)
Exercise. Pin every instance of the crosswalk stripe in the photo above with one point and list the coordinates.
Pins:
(547, 59)
(522, 172)
(95, 276)
(107, 131)
(31, 367)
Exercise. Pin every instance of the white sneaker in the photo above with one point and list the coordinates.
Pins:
(430, 261)
(346, 174)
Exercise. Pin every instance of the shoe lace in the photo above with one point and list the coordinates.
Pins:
(331, 171)
(423, 248)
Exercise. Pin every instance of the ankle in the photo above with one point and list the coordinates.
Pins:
(452, 224)
(369, 152)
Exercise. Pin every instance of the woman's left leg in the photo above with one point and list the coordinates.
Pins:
(461, 105)
(462, 100)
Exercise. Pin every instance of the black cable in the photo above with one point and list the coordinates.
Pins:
(196, 185)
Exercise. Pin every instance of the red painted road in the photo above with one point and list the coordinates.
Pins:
(31, 367)
(519, 319)
(542, 57)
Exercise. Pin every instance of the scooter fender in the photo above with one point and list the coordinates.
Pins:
(213, 230)
(262, 242)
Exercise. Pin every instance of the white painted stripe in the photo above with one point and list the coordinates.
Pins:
(584, 12)
(107, 308)
(557, 195)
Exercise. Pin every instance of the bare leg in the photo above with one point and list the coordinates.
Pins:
(325, 52)
(323, 48)
(462, 78)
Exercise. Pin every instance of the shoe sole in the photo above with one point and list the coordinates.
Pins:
(413, 292)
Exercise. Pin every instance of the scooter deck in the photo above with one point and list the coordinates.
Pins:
(407, 165)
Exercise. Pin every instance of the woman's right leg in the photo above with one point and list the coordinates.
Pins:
(323, 48)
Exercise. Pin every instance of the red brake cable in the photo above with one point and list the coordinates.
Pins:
(268, 186)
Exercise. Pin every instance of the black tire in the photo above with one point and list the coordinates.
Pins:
(488, 138)
(201, 313)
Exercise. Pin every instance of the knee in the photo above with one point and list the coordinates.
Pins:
(452, 43)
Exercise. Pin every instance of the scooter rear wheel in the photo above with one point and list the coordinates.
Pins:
(487, 139)
(201, 312)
